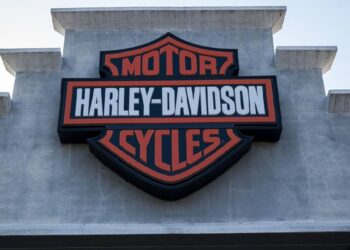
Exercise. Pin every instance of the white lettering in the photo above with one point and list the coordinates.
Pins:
(122, 111)
(256, 99)
(242, 100)
(82, 102)
(133, 100)
(193, 99)
(228, 108)
(168, 101)
(181, 102)
(213, 101)
(111, 100)
(146, 98)
(96, 103)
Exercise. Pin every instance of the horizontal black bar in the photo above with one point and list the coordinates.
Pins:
(307, 240)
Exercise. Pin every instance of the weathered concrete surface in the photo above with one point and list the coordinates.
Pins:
(170, 18)
(305, 57)
(180, 228)
(338, 100)
(82, 48)
(31, 60)
(300, 183)
(5, 103)
(320, 142)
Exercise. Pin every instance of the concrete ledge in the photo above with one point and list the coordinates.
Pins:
(195, 228)
(31, 60)
(305, 57)
(5, 103)
(338, 100)
(168, 18)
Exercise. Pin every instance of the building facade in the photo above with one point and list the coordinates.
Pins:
(285, 194)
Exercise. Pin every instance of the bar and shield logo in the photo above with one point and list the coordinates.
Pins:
(169, 116)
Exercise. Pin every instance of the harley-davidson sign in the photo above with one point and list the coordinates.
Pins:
(169, 116)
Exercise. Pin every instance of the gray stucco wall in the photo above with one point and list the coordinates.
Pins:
(82, 48)
(48, 186)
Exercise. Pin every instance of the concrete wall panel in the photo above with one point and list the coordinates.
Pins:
(303, 178)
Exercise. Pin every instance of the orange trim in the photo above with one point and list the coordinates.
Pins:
(175, 155)
(171, 179)
(169, 50)
(123, 141)
(131, 68)
(191, 143)
(207, 63)
(167, 40)
(169, 120)
(182, 63)
(143, 141)
(211, 136)
(145, 60)
(158, 159)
